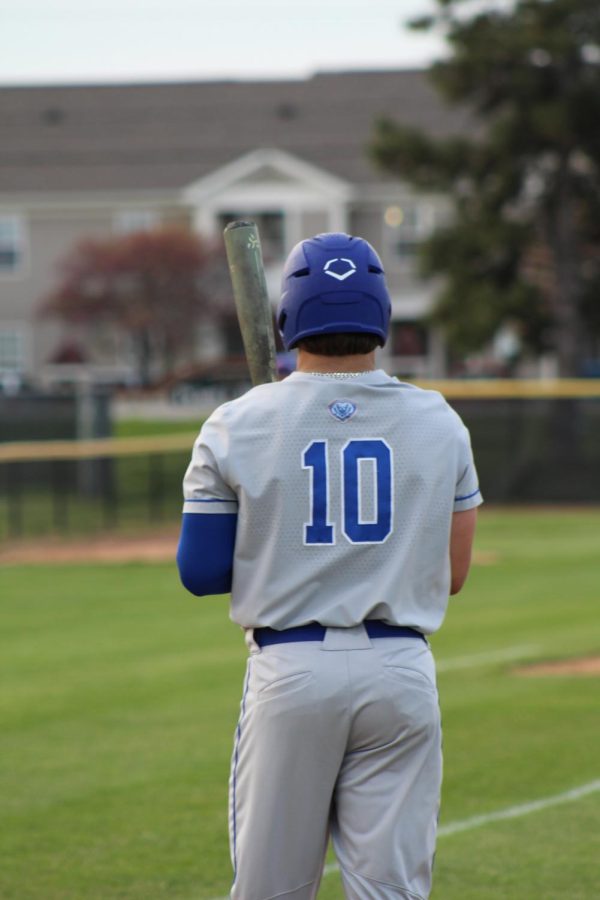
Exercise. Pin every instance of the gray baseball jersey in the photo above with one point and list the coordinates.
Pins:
(349, 483)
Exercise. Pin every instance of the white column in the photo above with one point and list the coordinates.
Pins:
(204, 221)
(292, 227)
(338, 217)
(436, 361)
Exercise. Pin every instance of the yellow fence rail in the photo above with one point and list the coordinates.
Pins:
(472, 389)
(94, 449)
(507, 388)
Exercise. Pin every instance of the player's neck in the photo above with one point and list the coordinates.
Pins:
(314, 362)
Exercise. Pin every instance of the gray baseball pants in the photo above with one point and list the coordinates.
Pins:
(339, 738)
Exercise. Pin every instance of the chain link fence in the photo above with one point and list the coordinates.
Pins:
(532, 446)
(90, 486)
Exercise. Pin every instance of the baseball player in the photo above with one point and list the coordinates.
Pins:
(339, 507)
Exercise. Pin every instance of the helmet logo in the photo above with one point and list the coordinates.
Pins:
(343, 270)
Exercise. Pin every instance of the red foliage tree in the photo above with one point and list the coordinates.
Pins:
(155, 286)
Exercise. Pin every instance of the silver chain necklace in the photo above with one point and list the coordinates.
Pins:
(339, 374)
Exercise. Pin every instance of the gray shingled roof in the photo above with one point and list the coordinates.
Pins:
(165, 136)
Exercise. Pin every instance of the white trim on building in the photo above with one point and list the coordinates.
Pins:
(268, 180)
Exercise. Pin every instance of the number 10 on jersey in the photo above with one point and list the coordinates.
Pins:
(356, 457)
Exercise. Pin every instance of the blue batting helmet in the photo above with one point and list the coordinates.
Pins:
(333, 283)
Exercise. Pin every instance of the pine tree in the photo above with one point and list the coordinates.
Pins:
(524, 244)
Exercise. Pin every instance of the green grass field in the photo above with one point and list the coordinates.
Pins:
(120, 695)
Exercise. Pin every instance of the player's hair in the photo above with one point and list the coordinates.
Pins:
(342, 344)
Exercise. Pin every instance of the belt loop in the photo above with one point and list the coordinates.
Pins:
(355, 638)
(251, 643)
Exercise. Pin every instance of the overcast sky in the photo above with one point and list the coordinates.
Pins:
(58, 41)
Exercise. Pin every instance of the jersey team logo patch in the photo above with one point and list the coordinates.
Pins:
(342, 410)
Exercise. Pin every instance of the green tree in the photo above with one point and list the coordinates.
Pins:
(524, 243)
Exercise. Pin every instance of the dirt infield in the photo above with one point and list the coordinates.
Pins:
(114, 548)
(156, 546)
(582, 666)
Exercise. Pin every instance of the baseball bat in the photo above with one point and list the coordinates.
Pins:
(244, 256)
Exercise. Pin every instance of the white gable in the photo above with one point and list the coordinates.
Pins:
(267, 176)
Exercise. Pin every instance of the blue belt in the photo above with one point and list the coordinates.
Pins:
(315, 632)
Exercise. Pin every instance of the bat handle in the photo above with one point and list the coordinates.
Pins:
(242, 243)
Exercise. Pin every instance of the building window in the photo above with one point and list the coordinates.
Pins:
(405, 249)
(405, 226)
(234, 345)
(128, 221)
(12, 350)
(12, 244)
(408, 339)
(271, 227)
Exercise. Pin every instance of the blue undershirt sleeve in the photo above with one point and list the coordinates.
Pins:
(205, 552)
